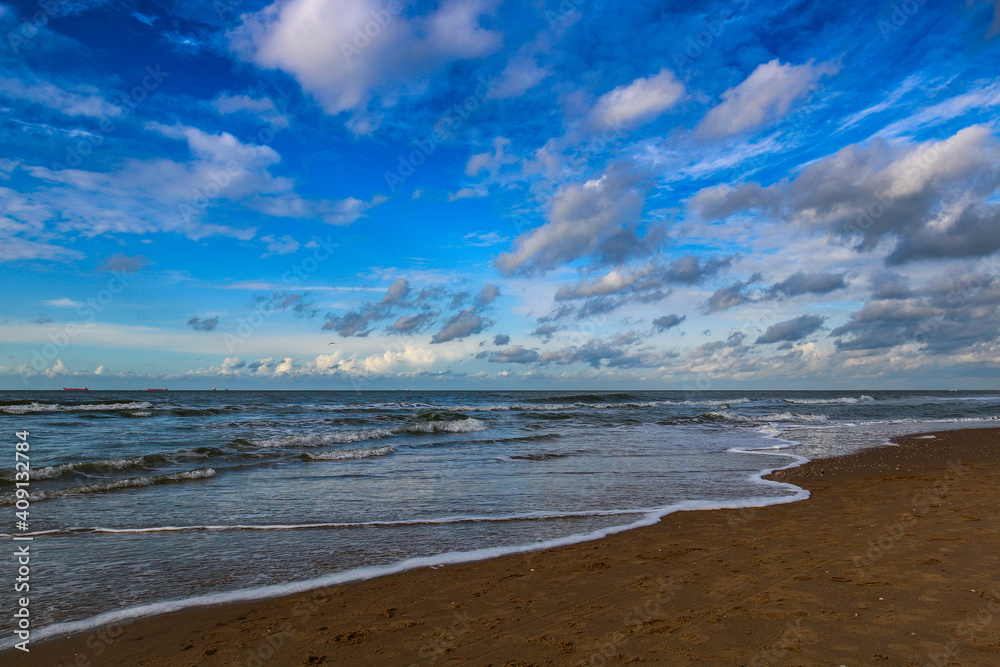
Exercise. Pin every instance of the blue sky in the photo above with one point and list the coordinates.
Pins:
(499, 194)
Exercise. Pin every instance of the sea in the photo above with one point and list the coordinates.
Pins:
(145, 502)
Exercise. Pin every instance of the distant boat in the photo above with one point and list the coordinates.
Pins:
(148, 389)
(76, 389)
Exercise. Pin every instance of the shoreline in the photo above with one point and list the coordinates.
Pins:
(430, 631)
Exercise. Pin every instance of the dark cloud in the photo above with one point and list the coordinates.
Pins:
(545, 331)
(668, 322)
(889, 286)
(460, 325)
(791, 330)
(932, 199)
(653, 278)
(501, 339)
(597, 220)
(514, 355)
(297, 304)
(953, 313)
(487, 295)
(689, 270)
(410, 324)
(614, 352)
(361, 321)
(732, 295)
(619, 287)
(122, 263)
(975, 232)
(808, 283)
(357, 323)
(199, 324)
(397, 293)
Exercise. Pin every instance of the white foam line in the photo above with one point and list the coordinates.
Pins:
(450, 558)
(532, 516)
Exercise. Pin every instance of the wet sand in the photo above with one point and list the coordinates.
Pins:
(895, 560)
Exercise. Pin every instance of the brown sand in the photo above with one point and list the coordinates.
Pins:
(895, 560)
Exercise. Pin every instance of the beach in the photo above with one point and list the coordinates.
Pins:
(893, 560)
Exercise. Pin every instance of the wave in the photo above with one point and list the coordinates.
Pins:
(468, 425)
(432, 423)
(114, 485)
(541, 456)
(362, 453)
(582, 398)
(827, 401)
(322, 439)
(108, 465)
(730, 416)
(437, 521)
(196, 412)
(245, 449)
(28, 408)
(647, 517)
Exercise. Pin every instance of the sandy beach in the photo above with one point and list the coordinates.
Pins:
(894, 560)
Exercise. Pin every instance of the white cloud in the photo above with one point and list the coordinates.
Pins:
(638, 102)
(467, 193)
(87, 102)
(489, 161)
(763, 96)
(483, 240)
(930, 200)
(598, 218)
(521, 75)
(63, 302)
(261, 107)
(283, 246)
(344, 55)
(164, 195)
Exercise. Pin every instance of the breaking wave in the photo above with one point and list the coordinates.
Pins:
(362, 453)
(114, 485)
(28, 408)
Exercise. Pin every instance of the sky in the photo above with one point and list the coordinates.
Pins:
(499, 194)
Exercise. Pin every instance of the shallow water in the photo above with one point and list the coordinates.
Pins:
(149, 498)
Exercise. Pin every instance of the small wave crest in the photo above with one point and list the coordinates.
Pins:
(849, 400)
(730, 416)
(348, 454)
(114, 485)
(33, 407)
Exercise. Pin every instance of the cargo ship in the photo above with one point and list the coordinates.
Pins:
(148, 389)
(76, 389)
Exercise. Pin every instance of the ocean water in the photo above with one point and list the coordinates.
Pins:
(150, 501)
